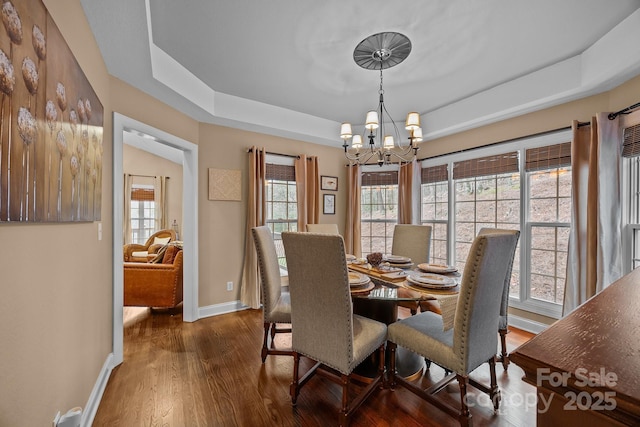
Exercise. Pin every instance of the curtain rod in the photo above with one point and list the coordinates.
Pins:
(627, 110)
(250, 150)
(519, 138)
(146, 176)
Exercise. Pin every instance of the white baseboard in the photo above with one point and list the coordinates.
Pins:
(527, 324)
(91, 408)
(217, 309)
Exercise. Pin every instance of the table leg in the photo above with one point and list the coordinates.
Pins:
(408, 364)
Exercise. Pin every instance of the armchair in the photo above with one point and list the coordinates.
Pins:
(153, 285)
(158, 239)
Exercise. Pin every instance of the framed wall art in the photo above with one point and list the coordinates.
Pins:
(329, 204)
(51, 123)
(329, 183)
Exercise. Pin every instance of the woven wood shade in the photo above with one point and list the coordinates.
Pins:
(550, 156)
(280, 172)
(435, 174)
(379, 178)
(489, 165)
(631, 147)
(142, 194)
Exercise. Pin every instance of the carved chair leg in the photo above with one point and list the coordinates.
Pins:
(294, 388)
(392, 364)
(494, 391)
(465, 415)
(267, 326)
(504, 357)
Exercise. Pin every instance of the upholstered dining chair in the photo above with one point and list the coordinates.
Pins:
(473, 339)
(324, 326)
(503, 324)
(323, 228)
(413, 241)
(276, 303)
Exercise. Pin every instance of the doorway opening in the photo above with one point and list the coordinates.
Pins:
(162, 142)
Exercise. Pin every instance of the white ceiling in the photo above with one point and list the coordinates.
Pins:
(285, 67)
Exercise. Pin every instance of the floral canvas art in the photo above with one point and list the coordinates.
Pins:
(51, 123)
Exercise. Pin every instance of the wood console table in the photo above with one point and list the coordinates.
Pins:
(586, 367)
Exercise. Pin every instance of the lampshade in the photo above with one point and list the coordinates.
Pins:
(388, 142)
(413, 121)
(372, 120)
(416, 134)
(356, 142)
(345, 131)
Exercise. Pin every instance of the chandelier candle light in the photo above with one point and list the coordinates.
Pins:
(378, 52)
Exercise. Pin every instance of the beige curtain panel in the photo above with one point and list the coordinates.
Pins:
(126, 215)
(409, 179)
(352, 228)
(256, 216)
(161, 203)
(595, 248)
(308, 190)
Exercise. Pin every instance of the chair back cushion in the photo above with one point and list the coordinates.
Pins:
(321, 310)
(412, 241)
(270, 281)
(478, 309)
(323, 228)
(504, 304)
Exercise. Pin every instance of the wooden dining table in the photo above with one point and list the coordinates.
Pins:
(379, 300)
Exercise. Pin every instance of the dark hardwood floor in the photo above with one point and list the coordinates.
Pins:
(209, 373)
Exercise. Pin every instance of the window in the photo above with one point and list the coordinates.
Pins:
(631, 196)
(487, 194)
(378, 210)
(435, 210)
(523, 185)
(282, 207)
(142, 213)
(549, 218)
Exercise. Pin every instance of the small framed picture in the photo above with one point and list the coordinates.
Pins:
(329, 205)
(329, 183)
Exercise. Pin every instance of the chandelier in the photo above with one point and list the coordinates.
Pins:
(378, 52)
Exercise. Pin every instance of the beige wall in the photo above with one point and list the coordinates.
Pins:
(56, 306)
(55, 310)
(222, 223)
(139, 162)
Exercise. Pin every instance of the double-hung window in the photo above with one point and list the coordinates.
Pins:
(434, 196)
(142, 213)
(523, 185)
(378, 210)
(631, 196)
(548, 171)
(282, 207)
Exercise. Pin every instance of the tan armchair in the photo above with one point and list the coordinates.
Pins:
(151, 246)
(153, 285)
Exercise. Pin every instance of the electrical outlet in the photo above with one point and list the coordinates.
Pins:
(54, 423)
(229, 286)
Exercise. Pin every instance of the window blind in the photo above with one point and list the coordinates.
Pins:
(489, 165)
(280, 172)
(142, 194)
(379, 178)
(631, 144)
(548, 157)
(435, 174)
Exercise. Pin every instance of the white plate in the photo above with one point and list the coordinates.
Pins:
(431, 279)
(358, 279)
(396, 259)
(438, 268)
(350, 258)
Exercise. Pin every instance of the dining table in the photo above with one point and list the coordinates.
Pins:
(378, 297)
